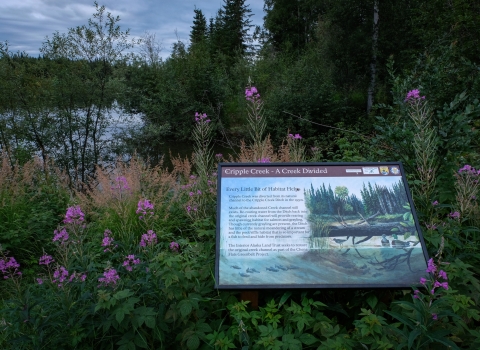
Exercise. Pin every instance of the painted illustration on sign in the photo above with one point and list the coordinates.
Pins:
(313, 226)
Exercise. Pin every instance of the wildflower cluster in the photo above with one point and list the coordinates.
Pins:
(74, 215)
(46, 260)
(144, 208)
(107, 241)
(264, 160)
(191, 208)
(198, 193)
(201, 118)
(295, 137)
(130, 261)
(438, 280)
(454, 215)
(9, 267)
(110, 278)
(469, 170)
(256, 122)
(60, 235)
(251, 94)
(413, 95)
(296, 149)
(467, 187)
(174, 247)
(148, 239)
(60, 275)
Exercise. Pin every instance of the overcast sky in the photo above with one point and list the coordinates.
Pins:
(26, 23)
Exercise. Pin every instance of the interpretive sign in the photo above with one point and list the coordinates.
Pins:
(316, 225)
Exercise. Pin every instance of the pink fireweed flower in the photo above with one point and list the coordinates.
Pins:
(9, 267)
(144, 207)
(201, 118)
(295, 137)
(443, 274)
(454, 215)
(110, 278)
(264, 160)
(415, 294)
(441, 284)
(46, 260)
(432, 268)
(434, 317)
(251, 94)
(148, 239)
(107, 240)
(174, 246)
(74, 215)
(423, 280)
(130, 262)
(60, 275)
(39, 281)
(468, 169)
(435, 203)
(61, 236)
(414, 95)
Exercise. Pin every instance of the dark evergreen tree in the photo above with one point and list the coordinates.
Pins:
(229, 31)
(198, 34)
(291, 24)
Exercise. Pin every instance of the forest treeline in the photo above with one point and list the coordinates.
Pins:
(335, 72)
(376, 199)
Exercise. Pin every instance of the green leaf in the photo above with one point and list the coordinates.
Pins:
(193, 342)
(372, 301)
(289, 342)
(128, 346)
(140, 341)
(308, 339)
(203, 327)
(123, 294)
(401, 318)
(284, 298)
(185, 307)
(119, 315)
(413, 335)
(150, 322)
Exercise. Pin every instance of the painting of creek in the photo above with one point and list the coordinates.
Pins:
(326, 232)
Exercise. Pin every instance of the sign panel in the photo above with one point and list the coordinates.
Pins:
(316, 225)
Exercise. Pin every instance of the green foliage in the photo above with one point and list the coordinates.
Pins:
(32, 199)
